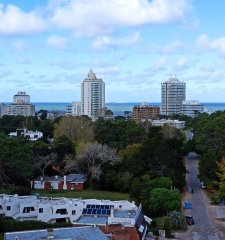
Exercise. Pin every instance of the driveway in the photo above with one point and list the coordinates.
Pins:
(206, 226)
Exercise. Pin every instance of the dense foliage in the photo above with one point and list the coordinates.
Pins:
(117, 155)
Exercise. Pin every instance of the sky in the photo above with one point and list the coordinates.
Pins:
(48, 46)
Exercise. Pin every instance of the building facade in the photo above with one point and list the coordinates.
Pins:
(92, 96)
(122, 219)
(73, 109)
(21, 105)
(173, 93)
(145, 112)
(192, 108)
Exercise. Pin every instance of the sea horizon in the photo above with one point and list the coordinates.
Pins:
(118, 108)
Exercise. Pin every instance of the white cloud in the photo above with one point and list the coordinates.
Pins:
(15, 21)
(20, 46)
(203, 42)
(58, 42)
(93, 17)
(181, 64)
(106, 41)
(174, 46)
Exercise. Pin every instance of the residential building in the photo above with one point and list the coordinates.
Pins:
(92, 96)
(67, 182)
(3, 109)
(70, 233)
(123, 219)
(145, 112)
(174, 123)
(31, 135)
(21, 105)
(192, 108)
(173, 93)
(73, 109)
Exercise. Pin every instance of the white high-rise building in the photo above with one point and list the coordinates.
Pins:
(173, 93)
(92, 96)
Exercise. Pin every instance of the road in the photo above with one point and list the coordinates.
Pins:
(205, 227)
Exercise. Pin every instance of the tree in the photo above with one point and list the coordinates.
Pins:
(63, 145)
(15, 161)
(93, 156)
(42, 162)
(69, 164)
(163, 200)
(130, 159)
(75, 128)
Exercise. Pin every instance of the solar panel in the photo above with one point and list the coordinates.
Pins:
(99, 211)
(92, 206)
(108, 212)
(94, 211)
(89, 211)
(84, 211)
(102, 206)
(103, 212)
(98, 206)
(106, 206)
(88, 206)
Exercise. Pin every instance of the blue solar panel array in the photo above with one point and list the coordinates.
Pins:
(103, 210)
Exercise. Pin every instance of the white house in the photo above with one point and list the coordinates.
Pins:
(80, 212)
(31, 135)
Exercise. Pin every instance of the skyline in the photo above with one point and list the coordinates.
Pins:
(48, 47)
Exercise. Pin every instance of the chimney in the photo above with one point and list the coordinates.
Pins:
(50, 233)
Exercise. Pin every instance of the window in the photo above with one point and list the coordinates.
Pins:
(73, 212)
(28, 209)
(40, 210)
(0, 206)
(62, 211)
(8, 208)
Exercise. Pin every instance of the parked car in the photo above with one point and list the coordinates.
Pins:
(203, 185)
(189, 220)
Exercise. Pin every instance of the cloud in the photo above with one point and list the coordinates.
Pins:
(104, 42)
(58, 42)
(15, 21)
(20, 46)
(181, 64)
(94, 17)
(203, 42)
(5, 73)
(174, 46)
(24, 61)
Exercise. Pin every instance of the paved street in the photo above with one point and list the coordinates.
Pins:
(206, 226)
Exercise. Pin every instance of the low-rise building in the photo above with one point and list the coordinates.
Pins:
(122, 218)
(70, 233)
(192, 108)
(31, 135)
(174, 123)
(67, 182)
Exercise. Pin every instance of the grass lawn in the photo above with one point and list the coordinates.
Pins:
(85, 194)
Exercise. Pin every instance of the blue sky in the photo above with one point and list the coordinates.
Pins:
(48, 47)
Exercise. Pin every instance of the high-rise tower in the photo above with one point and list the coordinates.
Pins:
(92, 96)
(173, 92)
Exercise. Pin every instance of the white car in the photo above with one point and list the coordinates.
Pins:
(203, 185)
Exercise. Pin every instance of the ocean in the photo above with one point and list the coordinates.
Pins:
(119, 108)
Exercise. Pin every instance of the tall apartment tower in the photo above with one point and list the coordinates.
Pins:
(92, 96)
(173, 92)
